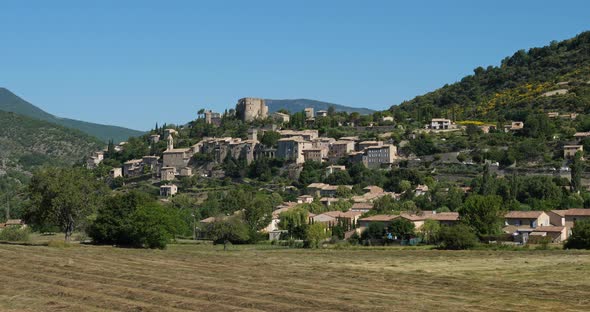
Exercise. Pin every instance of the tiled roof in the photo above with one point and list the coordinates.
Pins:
(362, 206)
(549, 229)
(379, 218)
(573, 212)
(523, 214)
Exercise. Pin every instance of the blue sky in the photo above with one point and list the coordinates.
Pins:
(135, 63)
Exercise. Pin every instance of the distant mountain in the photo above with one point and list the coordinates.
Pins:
(298, 105)
(26, 143)
(551, 78)
(10, 102)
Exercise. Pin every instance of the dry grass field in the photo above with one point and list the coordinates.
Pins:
(250, 278)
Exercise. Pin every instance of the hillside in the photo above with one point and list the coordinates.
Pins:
(26, 142)
(299, 105)
(524, 81)
(10, 102)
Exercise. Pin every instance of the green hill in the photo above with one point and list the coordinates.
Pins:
(26, 143)
(521, 82)
(299, 105)
(10, 102)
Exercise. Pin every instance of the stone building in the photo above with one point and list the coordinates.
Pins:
(281, 117)
(212, 118)
(341, 148)
(94, 160)
(313, 154)
(380, 155)
(569, 151)
(167, 173)
(248, 109)
(292, 148)
(308, 112)
(307, 135)
(133, 168)
(116, 173)
(168, 190)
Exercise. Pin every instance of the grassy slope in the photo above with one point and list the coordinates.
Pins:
(28, 141)
(247, 278)
(12, 103)
(299, 105)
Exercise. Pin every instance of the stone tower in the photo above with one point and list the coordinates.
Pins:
(249, 109)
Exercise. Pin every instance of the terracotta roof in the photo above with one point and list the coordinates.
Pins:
(412, 217)
(379, 218)
(443, 216)
(362, 206)
(573, 212)
(523, 214)
(549, 229)
(340, 214)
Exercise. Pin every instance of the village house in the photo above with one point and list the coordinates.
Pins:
(445, 218)
(581, 135)
(324, 190)
(167, 173)
(332, 218)
(487, 128)
(341, 148)
(154, 138)
(322, 113)
(362, 207)
(569, 151)
(361, 146)
(307, 135)
(531, 219)
(133, 167)
(558, 234)
(387, 119)
(421, 190)
(116, 173)
(313, 154)
(308, 112)
(571, 116)
(305, 199)
(514, 126)
(333, 168)
(168, 190)
(292, 148)
(323, 144)
(186, 172)
(358, 158)
(440, 124)
(281, 117)
(380, 155)
(94, 160)
(568, 218)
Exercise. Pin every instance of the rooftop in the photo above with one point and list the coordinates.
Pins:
(523, 214)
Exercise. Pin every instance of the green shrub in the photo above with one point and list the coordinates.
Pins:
(580, 238)
(457, 237)
(15, 234)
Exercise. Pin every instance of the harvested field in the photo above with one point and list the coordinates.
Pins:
(251, 278)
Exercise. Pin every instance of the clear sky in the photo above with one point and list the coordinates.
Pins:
(135, 63)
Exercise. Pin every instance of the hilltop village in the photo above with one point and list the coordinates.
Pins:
(348, 171)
